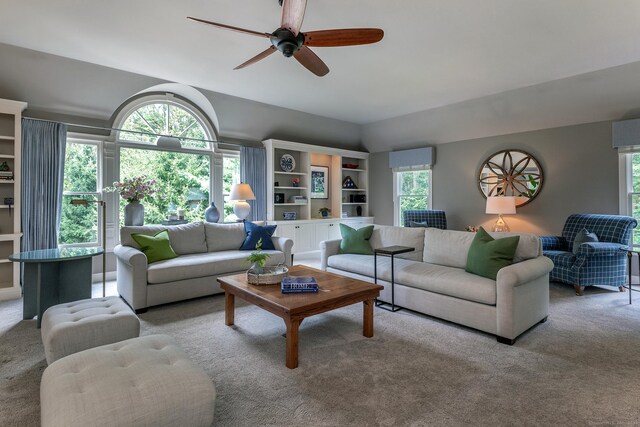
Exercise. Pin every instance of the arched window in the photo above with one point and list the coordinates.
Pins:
(182, 171)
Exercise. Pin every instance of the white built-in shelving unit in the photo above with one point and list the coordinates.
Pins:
(10, 152)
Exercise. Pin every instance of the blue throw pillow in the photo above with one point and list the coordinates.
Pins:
(583, 236)
(256, 232)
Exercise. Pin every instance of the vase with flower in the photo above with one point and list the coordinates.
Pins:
(295, 182)
(133, 190)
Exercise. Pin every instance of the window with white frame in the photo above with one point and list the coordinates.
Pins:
(630, 190)
(182, 173)
(79, 224)
(230, 176)
(411, 190)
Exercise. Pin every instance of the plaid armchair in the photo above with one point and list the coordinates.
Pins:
(436, 219)
(595, 263)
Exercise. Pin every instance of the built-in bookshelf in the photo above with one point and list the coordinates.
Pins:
(10, 156)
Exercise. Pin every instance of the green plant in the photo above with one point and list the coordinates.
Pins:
(257, 257)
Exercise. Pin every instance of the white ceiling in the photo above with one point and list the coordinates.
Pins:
(434, 53)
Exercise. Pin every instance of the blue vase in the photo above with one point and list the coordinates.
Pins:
(211, 214)
(134, 213)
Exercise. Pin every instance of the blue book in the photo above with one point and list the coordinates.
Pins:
(293, 284)
(300, 291)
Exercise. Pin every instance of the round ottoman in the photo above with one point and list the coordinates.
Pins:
(79, 325)
(145, 381)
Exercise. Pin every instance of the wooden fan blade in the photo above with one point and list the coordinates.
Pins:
(257, 58)
(344, 37)
(292, 15)
(311, 61)
(232, 28)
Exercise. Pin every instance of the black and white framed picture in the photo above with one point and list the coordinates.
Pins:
(319, 182)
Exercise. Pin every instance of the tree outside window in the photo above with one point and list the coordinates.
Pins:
(231, 175)
(79, 223)
(412, 191)
(182, 175)
(634, 196)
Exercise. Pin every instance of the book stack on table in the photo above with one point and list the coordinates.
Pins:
(295, 285)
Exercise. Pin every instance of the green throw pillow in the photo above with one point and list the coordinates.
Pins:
(356, 241)
(488, 255)
(157, 247)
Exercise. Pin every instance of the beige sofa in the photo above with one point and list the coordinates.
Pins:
(432, 280)
(205, 252)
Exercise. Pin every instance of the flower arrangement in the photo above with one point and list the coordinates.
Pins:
(295, 181)
(134, 189)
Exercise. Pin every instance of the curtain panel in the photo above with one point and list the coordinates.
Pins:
(43, 152)
(253, 171)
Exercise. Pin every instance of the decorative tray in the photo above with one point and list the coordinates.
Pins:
(269, 276)
(350, 166)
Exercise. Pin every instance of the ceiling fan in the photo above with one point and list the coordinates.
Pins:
(291, 42)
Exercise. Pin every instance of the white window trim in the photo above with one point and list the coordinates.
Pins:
(74, 138)
(396, 196)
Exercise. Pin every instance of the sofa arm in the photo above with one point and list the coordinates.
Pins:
(590, 249)
(553, 243)
(522, 296)
(132, 276)
(328, 248)
(283, 244)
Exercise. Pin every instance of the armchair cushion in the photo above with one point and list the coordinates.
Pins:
(553, 243)
(583, 237)
(601, 249)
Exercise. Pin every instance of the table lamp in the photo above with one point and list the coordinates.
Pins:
(240, 193)
(102, 203)
(501, 205)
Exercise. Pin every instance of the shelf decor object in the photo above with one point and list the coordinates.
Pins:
(319, 182)
(501, 205)
(287, 163)
(240, 193)
(512, 173)
(102, 203)
(348, 183)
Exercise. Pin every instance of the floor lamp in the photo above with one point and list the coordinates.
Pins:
(104, 236)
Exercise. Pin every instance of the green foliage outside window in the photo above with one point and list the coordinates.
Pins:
(79, 223)
(635, 198)
(413, 191)
(230, 176)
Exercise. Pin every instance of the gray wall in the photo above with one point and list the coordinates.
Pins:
(74, 91)
(580, 175)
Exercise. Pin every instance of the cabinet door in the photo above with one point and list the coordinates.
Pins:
(305, 238)
(334, 231)
(286, 230)
(322, 232)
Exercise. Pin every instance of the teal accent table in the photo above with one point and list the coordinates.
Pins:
(54, 276)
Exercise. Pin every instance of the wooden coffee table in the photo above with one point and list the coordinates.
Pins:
(335, 291)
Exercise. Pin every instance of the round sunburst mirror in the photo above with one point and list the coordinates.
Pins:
(511, 173)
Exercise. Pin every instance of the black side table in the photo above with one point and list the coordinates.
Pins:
(390, 251)
(630, 258)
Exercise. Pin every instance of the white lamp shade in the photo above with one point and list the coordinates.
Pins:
(501, 205)
(241, 192)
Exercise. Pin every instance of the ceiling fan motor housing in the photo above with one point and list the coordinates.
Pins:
(286, 42)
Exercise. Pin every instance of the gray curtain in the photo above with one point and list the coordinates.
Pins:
(253, 171)
(43, 150)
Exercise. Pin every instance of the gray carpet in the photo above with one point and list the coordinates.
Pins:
(582, 367)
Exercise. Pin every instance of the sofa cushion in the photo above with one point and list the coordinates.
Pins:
(450, 248)
(488, 255)
(185, 238)
(356, 241)
(363, 264)
(451, 281)
(204, 265)
(224, 237)
(440, 279)
(156, 247)
(402, 236)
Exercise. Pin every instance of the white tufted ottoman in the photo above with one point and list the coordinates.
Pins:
(146, 381)
(79, 325)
